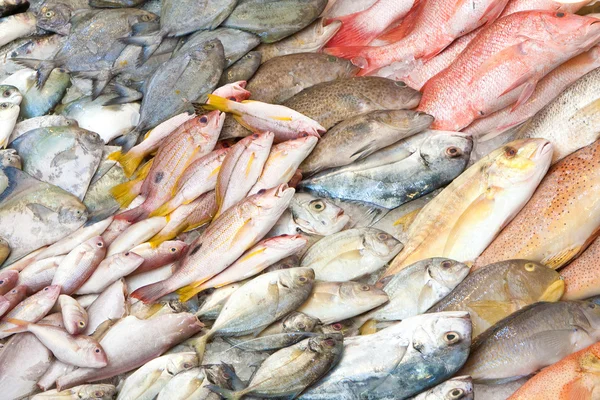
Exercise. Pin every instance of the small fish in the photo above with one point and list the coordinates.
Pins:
(110, 270)
(75, 318)
(40, 101)
(163, 254)
(79, 265)
(8, 280)
(8, 118)
(31, 309)
(16, 26)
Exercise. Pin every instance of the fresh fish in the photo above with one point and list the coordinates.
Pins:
(552, 228)
(241, 70)
(136, 234)
(45, 121)
(152, 377)
(79, 265)
(82, 392)
(466, 216)
(498, 290)
(189, 384)
(63, 156)
(8, 280)
(110, 270)
(245, 223)
(136, 281)
(214, 302)
(259, 303)
(8, 118)
(39, 274)
(75, 318)
(107, 121)
(241, 168)
(10, 158)
(163, 254)
(132, 342)
(34, 213)
(289, 371)
(55, 15)
(282, 77)
(309, 40)
(38, 102)
(460, 387)
(32, 309)
(16, 26)
(581, 275)
(412, 356)
(14, 297)
(577, 373)
(439, 159)
(98, 199)
(331, 102)
(233, 91)
(110, 305)
(357, 138)
(532, 338)
(462, 92)
(274, 20)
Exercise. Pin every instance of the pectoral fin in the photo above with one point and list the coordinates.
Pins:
(39, 211)
(561, 258)
(365, 151)
(491, 311)
(243, 230)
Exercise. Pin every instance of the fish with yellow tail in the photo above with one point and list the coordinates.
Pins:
(126, 192)
(468, 214)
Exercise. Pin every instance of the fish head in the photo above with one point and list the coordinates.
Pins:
(299, 322)
(233, 91)
(49, 294)
(219, 372)
(404, 119)
(521, 162)
(172, 247)
(381, 244)
(95, 355)
(394, 95)
(320, 33)
(317, 216)
(458, 388)
(447, 272)
(330, 343)
(209, 126)
(90, 141)
(126, 261)
(55, 18)
(142, 16)
(568, 29)
(10, 158)
(532, 281)
(10, 94)
(443, 333)
(300, 278)
(346, 327)
(591, 311)
(96, 392)
(269, 203)
(72, 212)
(444, 147)
(59, 77)
(180, 362)
(362, 295)
(9, 111)
(97, 242)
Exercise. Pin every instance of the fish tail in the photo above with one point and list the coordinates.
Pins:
(161, 237)
(124, 95)
(134, 215)
(368, 327)
(151, 293)
(215, 102)
(128, 140)
(99, 78)
(225, 393)
(43, 68)
(359, 55)
(130, 161)
(21, 325)
(187, 292)
(164, 210)
(125, 193)
(200, 345)
(148, 43)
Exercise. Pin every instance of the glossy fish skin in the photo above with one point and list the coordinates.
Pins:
(581, 276)
(331, 302)
(155, 257)
(38, 102)
(45, 121)
(8, 280)
(28, 206)
(413, 355)
(16, 26)
(136, 234)
(283, 77)
(32, 309)
(111, 304)
(79, 265)
(82, 392)
(110, 270)
(8, 117)
(439, 159)
(532, 338)
(460, 387)
(498, 290)
(214, 302)
(350, 254)
(39, 274)
(301, 364)
(331, 102)
(63, 156)
(492, 73)
(236, 230)
(10, 158)
(241, 70)
(488, 194)
(98, 199)
(551, 228)
(284, 17)
(359, 137)
(75, 318)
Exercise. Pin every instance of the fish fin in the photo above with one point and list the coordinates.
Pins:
(225, 393)
(115, 155)
(215, 102)
(493, 11)
(369, 327)
(124, 193)
(576, 390)
(130, 161)
(243, 230)
(249, 164)
(143, 172)
(102, 329)
(352, 255)
(21, 325)
(159, 238)
(99, 78)
(399, 32)
(365, 151)
(287, 119)
(128, 140)
(40, 211)
(426, 295)
(561, 258)
(200, 345)
(525, 95)
(163, 210)
(215, 171)
(134, 215)
(154, 309)
(124, 95)
(148, 43)
(500, 58)
(43, 68)
(584, 113)
(139, 28)
(187, 292)
(151, 293)
(252, 254)
(354, 31)
(190, 227)
(491, 311)
(556, 341)
(407, 219)
(360, 56)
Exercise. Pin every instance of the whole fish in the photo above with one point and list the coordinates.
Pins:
(163, 254)
(460, 387)
(581, 275)
(260, 302)
(111, 304)
(8, 280)
(462, 92)
(532, 338)
(192, 140)
(10, 158)
(82, 392)
(498, 290)
(8, 118)
(150, 378)
(236, 230)
(274, 20)
(75, 318)
(79, 265)
(241, 70)
(180, 80)
(132, 342)
(39, 101)
(412, 356)
(186, 385)
(357, 138)
(309, 40)
(577, 373)
(16, 26)
(32, 309)
(63, 156)
(282, 77)
(34, 214)
(39, 274)
(301, 365)
(110, 270)
(439, 159)
(351, 254)
(488, 194)
(136, 234)
(45, 121)
(331, 102)
(552, 228)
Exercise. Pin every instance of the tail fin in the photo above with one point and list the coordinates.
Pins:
(215, 102)
(149, 44)
(165, 209)
(368, 327)
(128, 140)
(358, 55)
(134, 215)
(124, 95)
(187, 292)
(225, 393)
(200, 345)
(126, 192)
(43, 68)
(151, 293)
(354, 31)
(99, 79)
(21, 325)
(130, 161)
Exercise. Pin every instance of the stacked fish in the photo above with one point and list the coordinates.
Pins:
(351, 199)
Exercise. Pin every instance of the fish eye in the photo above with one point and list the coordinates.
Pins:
(447, 264)
(126, 254)
(232, 98)
(210, 46)
(13, 291)
(453, 151)
(560, 14)
(204, 119)
(329, 342)
(7, 93)
(99, 244)
(337, 327)
(592, 305)
(49, 14)
(4, 105)
(302, 279)
(510, 152)
(400, 84)
(261, 191)
(529, 267)
(301, 326)
(187, 365)
(97, 350)
(1, 282)
(99, 394)
(81, 324)
(382, 236)
(317, 205)
(451, 337)
(45, 289)
(332, 59)
(255, 136)
(365, 288)
(173, 249)
(457, 393)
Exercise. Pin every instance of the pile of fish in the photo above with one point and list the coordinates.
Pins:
(343, 199)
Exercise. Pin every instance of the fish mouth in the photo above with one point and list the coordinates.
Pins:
(553, 292)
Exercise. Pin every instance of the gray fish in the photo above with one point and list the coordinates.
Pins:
(242, 70)
(223, 375)
(178, 82)
(54, 15)
(457, 388)
(274, 20)
(45, 121)
(357, 138)
(309, 40)
(439, 159)
(10, 7)
(235, 43)
(10, 158)
(362, 215)
(331, 102)
(399, 361)
(38, 47)
(282, 77)
(38, 102)
(34, 213)
(63, 156)
(115, 3)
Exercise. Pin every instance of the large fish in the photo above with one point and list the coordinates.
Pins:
(465, 217)
(581, 276)
(560, 220)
